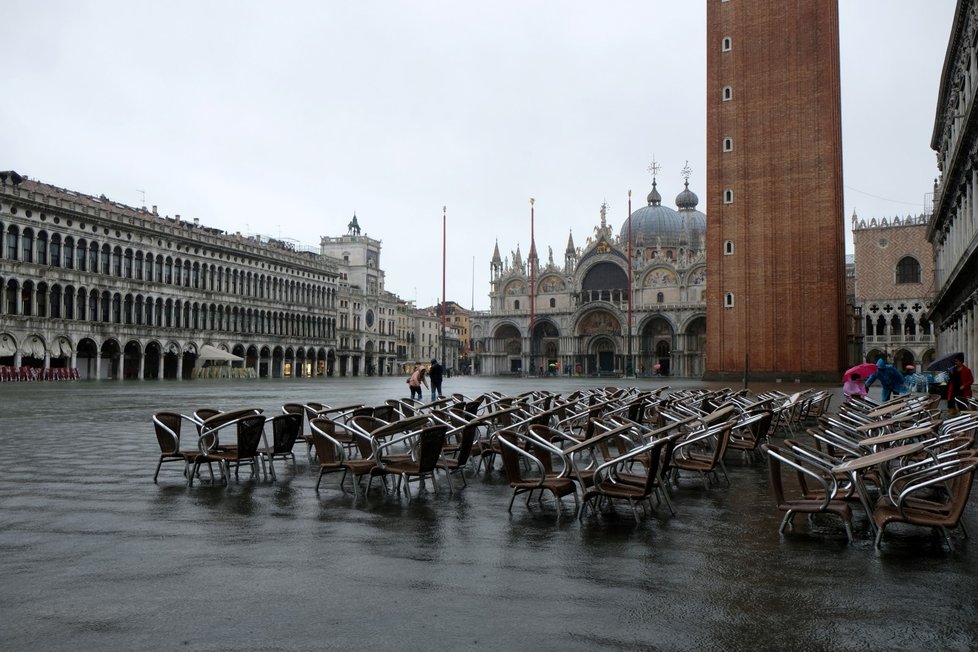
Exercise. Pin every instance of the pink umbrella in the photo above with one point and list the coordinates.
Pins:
(864, 369)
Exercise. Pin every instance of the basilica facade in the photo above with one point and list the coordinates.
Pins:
(625, 303)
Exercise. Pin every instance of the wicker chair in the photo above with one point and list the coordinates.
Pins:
(612, 481)
(513, 450)
(423, 463)
(167, 426)
(249, 430)
(286, 429)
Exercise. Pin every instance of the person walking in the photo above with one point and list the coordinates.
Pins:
(417, 379)
(958, 385)
(435, 373)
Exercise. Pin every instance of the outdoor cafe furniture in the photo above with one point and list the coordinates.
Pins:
(932, 495)
(286, 429)
(856, 467)
(702, 451)
(248, 426)
(811, 471)
(168, 429)
(332, 454)
(423, 462)
(515, 452)
(613, 479)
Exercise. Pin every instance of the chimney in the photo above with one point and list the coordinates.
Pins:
(178, 217)
(196, 221)
(154, 210)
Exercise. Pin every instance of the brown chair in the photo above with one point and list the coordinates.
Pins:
(455, 460)
(612, 481)
(828, 500)
(286, 429)
(513, 452)
(248, 429)
(750, 432)
(331, 453)
(933, 496)
(423, 463)
(167, 426)
(702, 451)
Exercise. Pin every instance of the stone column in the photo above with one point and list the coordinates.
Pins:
(180, 365)
(159, 366)
(142, 365)
(98, 364)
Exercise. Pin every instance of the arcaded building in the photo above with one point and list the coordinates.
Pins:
(775, 242)
(121, 292)
(953, 228)
(894, 289)
(576, 314)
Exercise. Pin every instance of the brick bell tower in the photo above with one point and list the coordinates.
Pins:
(775, 233)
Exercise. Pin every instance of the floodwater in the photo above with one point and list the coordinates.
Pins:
(93, 555)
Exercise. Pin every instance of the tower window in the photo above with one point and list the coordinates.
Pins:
(728, 144)
(728, 196)
(908, 270)
(727, 93)
(728, 248)
(728, 300)
(726, 44)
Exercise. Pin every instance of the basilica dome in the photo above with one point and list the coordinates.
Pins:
(656, 225)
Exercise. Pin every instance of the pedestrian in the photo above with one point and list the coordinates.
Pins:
(435, 373)
(854, 386)
(958, 385)
(417, 379)
(891, 380)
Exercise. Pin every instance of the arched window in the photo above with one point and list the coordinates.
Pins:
(553, 303)
(726, 44)
(728, 248)
(660, 297)
(27, 239)
(516, 305)
(908, 270)
(55, 250)
(728, 144)
(727, 93)
(728, 300)
(12, 242)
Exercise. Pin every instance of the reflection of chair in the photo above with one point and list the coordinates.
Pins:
(827, 500)
(933, 495)
(512, 450)
(612, 482)
(248, 437)
(167, 426)
(285, 430)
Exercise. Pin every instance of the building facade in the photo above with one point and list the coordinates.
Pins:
(774, 180)
(953, 228)
(894, 290)
(117, 292)
(626, 303)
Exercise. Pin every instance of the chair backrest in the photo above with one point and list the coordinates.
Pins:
(465, 442)
(249, 430)
(328, 449)
(510, 451)
(431, 441)
(286, 428)
(167, 426)
(778, 457)
(386, 412)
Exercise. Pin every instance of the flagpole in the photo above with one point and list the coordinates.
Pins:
(533, 281)
(631, 361)
(444, 240)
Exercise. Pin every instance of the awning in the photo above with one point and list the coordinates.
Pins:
(7, 346)
(214, 354)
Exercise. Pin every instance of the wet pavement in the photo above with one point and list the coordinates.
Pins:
(93, 555)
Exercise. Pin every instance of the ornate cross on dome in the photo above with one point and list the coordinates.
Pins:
(654, 168)
(687, 172)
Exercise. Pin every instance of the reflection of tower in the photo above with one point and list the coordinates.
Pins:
(775, 236)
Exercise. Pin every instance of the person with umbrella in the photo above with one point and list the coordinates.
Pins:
(854, 386)
(959, 384)
(890, 379)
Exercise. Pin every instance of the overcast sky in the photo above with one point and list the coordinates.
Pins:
(284, 118)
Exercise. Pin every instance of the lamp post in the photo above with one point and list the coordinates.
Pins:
(631, 362)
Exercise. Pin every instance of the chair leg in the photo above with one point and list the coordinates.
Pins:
(321, 472)
(788, 516)
(155, 475)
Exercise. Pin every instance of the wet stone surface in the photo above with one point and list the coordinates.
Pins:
(93, 555)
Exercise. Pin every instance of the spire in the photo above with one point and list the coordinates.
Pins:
(496, 258)
(570, 243)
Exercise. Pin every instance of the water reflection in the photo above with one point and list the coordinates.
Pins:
(290, 566)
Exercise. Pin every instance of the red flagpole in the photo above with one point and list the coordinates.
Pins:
(630, 293)
(444, 240)
(533, 274)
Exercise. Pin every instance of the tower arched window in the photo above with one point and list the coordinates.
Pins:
(728, 144)
(908, 270)
(726, 44)
(727, 93)
(728, 300)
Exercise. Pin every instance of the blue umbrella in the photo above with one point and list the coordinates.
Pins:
(944, 363)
